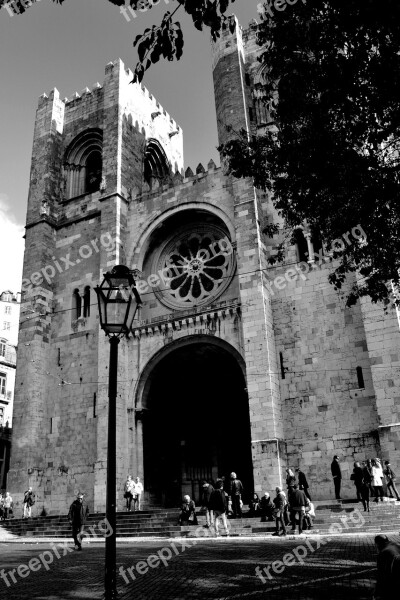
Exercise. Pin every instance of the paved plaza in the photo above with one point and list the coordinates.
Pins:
(313, 567)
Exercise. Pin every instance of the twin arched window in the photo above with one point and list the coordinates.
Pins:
(308, 245)
(83, 163)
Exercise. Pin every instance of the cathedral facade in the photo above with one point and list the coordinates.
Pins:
(232, 365)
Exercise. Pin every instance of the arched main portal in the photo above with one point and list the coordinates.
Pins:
(196, 422)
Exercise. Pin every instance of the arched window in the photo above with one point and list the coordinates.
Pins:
(76, 305)
(301, 245)
(86, 302)
(156, 168)
(83, 163)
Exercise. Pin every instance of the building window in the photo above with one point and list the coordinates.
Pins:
(6, 325)
(86, 302)
(301, 245)
(7, 310)
(93, 172)
(83, 164)
(3, 384)
(76, 305)
(2, 348)
(360, 377)
(1, 415)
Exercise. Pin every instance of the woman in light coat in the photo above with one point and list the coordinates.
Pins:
(377, 476)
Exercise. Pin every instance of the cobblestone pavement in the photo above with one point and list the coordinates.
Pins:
(342, 568)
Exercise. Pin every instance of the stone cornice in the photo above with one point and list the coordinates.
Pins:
(178, 321)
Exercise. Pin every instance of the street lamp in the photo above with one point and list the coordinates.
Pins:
(118, 301)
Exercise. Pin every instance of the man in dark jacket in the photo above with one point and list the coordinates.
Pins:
(77, 515)
(388, 563)
(303, 483)
(298, 502)
(218, 504)
(236, 490)
(206, 495)
(337, 476)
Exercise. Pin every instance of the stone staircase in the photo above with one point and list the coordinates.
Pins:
(331, 517)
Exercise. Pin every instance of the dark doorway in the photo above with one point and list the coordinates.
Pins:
(197, 425)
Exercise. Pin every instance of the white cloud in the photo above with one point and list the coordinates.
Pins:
(11, 248)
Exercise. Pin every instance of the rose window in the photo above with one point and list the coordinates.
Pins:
(197, 266)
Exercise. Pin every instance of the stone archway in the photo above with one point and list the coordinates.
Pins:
(196, 422)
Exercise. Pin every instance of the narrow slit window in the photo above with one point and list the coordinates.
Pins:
(282, 367)
(94, 405)
(360, 377)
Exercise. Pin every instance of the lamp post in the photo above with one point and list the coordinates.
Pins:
(118, 301)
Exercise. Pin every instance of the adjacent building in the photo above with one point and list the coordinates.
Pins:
(9, 325)
(233, 365)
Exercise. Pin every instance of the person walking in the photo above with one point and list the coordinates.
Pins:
(377, 476)
(207, 490)
(236, 490)
(218, 504)
(388, 563)
(337, 476)
(298, 502)
(390, 480)
(365, 486)
(280, 503)
(368, 477)
(77, 515)
(137, 492)
(7, 505)
(29, 501)
(303, 483)
(128, 492)
(358, 478)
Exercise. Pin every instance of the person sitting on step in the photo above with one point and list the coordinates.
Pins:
(188, 512)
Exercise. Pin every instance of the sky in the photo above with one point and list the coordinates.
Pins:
(67, 47)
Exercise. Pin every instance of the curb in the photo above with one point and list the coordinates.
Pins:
(221, 539)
